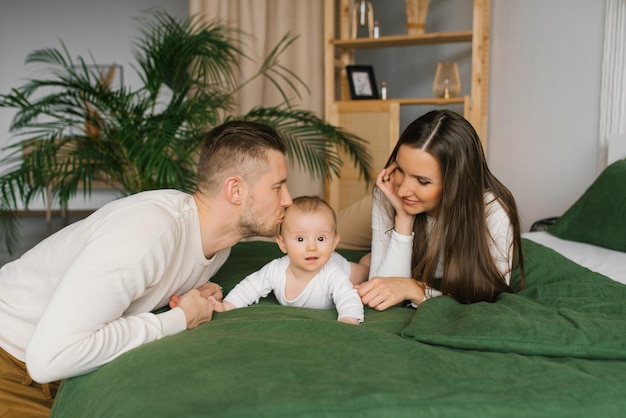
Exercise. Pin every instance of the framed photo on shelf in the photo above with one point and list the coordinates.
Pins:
(362, 82)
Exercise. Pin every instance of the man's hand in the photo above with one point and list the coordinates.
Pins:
(197, 309)
(206, 290)
(211, 289)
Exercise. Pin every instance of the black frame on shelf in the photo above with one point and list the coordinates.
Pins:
(362, 82)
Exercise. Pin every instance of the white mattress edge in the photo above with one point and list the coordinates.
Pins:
(607, 262)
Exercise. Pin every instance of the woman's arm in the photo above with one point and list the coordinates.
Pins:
(501, 231)
(391, 251)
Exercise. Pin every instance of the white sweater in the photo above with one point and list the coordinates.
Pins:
(330, 288)
(392, 252)
(83, 296)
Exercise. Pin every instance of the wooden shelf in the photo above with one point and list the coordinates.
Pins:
(432, 101)
(379, 105)
(411, 101)
(405, 40)
(378, 121)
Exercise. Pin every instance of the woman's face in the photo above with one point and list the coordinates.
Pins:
(418, 180)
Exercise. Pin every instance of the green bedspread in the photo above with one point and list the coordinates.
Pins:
(555, 349)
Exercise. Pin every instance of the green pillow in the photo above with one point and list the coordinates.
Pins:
(599, 216)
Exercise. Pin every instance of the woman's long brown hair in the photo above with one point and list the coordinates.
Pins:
(459, 236)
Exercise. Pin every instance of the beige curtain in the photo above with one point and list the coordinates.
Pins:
(264, 23)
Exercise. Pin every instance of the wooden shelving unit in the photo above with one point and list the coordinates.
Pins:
(378, 120)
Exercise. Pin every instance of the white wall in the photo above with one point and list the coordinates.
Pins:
(103, 29)
(544, 100)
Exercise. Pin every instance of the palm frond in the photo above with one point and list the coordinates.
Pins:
(187, 54)
(272, 70)
(314, 143)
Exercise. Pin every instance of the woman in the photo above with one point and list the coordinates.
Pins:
(441, 222)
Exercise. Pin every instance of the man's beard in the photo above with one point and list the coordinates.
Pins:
(249, 225)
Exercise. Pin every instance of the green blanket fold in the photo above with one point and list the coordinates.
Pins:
(561, 313)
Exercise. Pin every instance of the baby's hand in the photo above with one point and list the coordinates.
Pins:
(221, 306)
(348, 320)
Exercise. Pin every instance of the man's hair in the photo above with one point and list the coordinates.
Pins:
(313, 204)
(236, 148)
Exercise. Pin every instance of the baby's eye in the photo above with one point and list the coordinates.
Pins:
(299, 239)
(321, 239)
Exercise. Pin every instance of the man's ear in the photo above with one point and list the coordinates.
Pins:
(233, 190)
(281, 243)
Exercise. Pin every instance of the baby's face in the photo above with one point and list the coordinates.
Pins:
(308, 238)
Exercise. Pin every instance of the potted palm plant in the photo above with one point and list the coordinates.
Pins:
(75, 129)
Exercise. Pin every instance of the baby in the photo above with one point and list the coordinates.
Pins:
(311, 275)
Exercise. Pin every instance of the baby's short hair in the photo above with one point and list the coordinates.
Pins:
(311, 204)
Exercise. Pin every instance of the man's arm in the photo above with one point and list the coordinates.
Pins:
(89, 320)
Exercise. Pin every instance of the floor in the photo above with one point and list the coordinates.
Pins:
(34, 228)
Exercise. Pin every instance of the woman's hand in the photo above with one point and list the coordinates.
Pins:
(403, 222)
(381, 293)
(385, 183)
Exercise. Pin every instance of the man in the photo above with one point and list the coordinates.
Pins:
(84, 296)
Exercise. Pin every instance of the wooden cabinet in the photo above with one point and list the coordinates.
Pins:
(378, 120)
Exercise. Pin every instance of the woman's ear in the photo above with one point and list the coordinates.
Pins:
(233, 189)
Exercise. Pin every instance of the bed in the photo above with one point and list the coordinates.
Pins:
(555, 349)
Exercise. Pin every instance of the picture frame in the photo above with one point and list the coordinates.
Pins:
(362, 82)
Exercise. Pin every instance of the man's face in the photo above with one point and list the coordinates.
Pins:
(266, 200)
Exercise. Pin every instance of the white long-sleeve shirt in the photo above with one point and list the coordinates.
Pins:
(83, 296)
(392, 252)
(330, 288)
